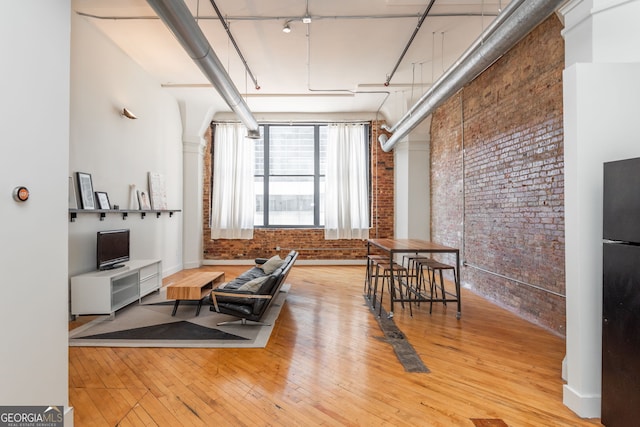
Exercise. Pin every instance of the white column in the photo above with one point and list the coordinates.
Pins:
(601, 90)
(412, 194)
(193, 158)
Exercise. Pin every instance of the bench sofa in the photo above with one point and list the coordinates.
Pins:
(249, 295)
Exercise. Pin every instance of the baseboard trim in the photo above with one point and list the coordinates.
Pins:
(190, 265)
(175, 269)
(584, 406)
(298, 262)
(68, 417)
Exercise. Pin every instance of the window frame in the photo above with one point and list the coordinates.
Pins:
(267, 175)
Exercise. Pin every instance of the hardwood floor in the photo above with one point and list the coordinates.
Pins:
(327, 364)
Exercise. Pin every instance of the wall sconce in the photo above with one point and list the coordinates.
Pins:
(128, 114)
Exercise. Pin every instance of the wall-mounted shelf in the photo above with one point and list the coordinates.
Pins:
(102, 213)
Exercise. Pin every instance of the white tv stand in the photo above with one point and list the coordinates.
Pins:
(105, 292)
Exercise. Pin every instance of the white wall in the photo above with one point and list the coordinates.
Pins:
(601, 92)
(34, 142)
(117, 151)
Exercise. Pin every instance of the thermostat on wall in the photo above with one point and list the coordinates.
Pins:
(21, 194)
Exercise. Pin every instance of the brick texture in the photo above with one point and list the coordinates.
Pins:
(309, 242)
(497, 179)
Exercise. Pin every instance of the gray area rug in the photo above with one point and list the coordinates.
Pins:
(405, 352)
(150, 324)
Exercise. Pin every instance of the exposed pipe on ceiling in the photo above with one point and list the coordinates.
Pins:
(513, 5)
(178, 18)
(235, 45)
(515, 21)
(324, 92)
(297, 17)
(413, 36)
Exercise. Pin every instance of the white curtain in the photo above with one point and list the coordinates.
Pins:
(232, 194)
(346, 192)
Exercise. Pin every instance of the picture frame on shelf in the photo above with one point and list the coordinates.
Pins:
(157, 191)
(85, 189)
(73, 198)
(143, 200)
(103, 200)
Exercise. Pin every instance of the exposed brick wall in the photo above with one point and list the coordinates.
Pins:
(382, 187)
(309, 242)
(502, 202)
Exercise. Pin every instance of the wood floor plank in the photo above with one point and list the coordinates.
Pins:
(113, 404)
(89, 414)
(157, 411)
(328, 363)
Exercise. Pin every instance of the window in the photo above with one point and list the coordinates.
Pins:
(290, 170)
(289, 176)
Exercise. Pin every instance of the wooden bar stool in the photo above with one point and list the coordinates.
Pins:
(438, 267)
(421, 264)
(411, 264)
(399, 271)
(372, 261)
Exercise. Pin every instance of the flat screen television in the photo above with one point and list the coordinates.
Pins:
(112, 249)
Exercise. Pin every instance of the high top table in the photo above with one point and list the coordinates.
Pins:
(416, 246)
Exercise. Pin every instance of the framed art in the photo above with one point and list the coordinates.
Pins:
(73, 199)
(143, 200)
(85, 188)
(157, 191)
(103, 200)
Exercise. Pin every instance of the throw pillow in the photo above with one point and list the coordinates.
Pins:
(272, 264)
(253, 285)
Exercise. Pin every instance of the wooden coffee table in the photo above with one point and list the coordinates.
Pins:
(194, 287)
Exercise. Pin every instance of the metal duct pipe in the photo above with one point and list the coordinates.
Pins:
(520, 17)
(178, 18)
(506, 13)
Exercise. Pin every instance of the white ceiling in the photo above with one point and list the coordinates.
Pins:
(349, 48)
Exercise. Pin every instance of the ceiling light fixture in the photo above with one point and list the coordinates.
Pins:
(286, 28)
(128, 114)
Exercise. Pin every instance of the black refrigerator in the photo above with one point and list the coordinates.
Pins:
(621, 294)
